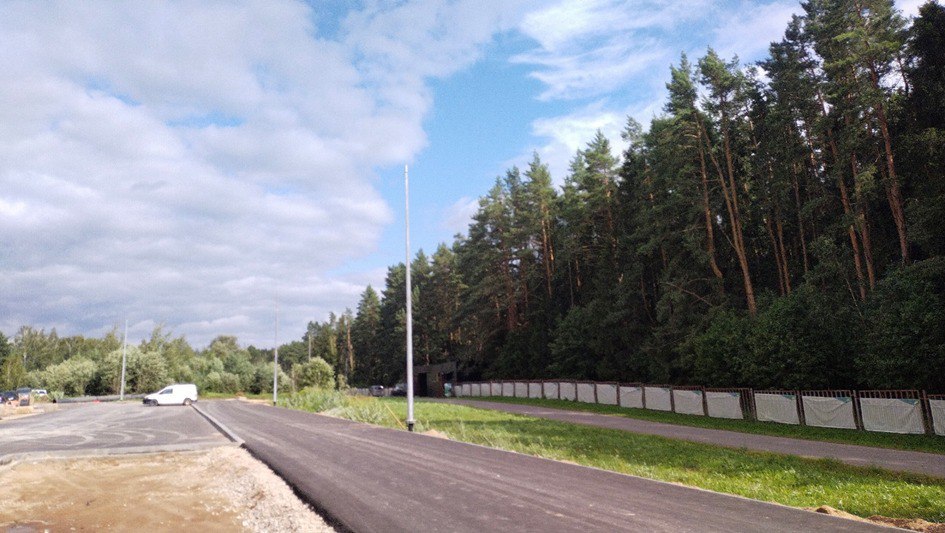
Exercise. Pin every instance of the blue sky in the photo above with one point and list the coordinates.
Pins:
(198, 164)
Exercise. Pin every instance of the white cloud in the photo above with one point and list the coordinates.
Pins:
(459, 216)
(747, 32)
(192, 164)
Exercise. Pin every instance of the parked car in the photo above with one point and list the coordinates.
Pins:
(399, 389)
(177, 394)
(377, 390)
(8, 396)
(23, 394)
(40, 392)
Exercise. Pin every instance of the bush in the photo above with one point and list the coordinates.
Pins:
(314, 373)
(905, 329)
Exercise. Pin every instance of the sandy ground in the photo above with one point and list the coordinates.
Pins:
(222, 489)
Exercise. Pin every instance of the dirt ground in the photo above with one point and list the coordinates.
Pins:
(221, 489)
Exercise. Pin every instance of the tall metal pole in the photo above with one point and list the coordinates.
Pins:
(410, 420)
(124, 358)
(275, 364)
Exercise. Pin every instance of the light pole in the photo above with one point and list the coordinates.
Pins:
(410, 420)
(124, 357)
(275, 364)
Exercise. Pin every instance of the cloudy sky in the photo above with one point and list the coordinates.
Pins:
(199, 164)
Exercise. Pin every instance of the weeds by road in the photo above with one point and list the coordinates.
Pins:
(771, 477)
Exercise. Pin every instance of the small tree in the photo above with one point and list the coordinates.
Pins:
(314, 373)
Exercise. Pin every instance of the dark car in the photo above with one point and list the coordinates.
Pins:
(377, 390)
(24, 395)
(9, 396)
(399, 389)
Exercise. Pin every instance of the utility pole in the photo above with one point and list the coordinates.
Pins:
(124, 358)
(275, 363)
(410, 420)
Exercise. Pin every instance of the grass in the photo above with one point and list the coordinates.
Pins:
(921, 443)
(771, 477)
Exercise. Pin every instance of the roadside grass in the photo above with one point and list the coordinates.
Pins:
(920, 443)
(764, 476)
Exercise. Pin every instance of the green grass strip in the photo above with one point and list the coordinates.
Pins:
(764, 476)
(920, 443)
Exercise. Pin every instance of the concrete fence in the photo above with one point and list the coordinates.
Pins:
(890, 411)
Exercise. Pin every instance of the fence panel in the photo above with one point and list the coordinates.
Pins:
(937, 410)
(777, 406)
(461, 391)
(550, 389)
(585, 392)
(508, 389)
(892, 411)
(521, 389)
(658, 397)
(829, 408)
(728, 403)
(631, 396)
(567, 391)
(688, 400)
(607, 393)
(534, 389)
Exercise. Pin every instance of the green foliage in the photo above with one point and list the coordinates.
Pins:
(145, 372)
(71, 377)
(905, 337)
(315, 373)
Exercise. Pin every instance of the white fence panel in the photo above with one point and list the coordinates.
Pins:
(688, 402)
(534, 390)
(461, 391)
(829, 412)
(892, 415)
(724, 405)
(938, 416)
(550, 390)
(567, 390)
(606, 394)
(780, 408)
(658, 398)
(508, 389)
(521, 389)
(631, 397)
(585, 392)
(475, 389)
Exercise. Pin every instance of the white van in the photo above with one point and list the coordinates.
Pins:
(177, 394)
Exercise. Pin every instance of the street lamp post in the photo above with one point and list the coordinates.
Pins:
(410, 420)
(275, 364)
(124, 358)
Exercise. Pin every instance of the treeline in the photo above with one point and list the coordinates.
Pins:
(778, 225)
(77, 366)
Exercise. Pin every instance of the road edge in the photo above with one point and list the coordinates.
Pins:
(227, 432)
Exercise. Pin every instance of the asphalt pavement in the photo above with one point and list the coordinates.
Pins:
(106, 428)
(929, 464)
(367, 478)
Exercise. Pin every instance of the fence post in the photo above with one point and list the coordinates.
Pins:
(672, 400)
(643, 393)
(596, 401)
(799, 398)
(619, 400)
(857, 412)
(926, 410)
(705, 401)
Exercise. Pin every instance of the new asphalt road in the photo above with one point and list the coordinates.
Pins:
(368, 478)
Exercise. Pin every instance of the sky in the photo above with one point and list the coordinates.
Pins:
(209, 166)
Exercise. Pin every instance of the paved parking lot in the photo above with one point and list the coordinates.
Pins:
(107, 428)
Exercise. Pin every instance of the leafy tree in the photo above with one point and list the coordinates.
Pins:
(314, 373)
